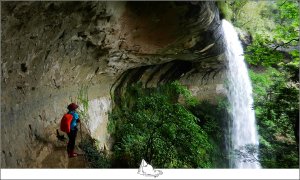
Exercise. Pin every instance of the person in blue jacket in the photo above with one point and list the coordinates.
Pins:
(73, 129)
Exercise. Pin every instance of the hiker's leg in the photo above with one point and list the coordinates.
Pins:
(73, 134)
(72, 140)
(69, 146)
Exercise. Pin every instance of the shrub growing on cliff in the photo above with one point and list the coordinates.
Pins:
(95, 157)
(162, 132)
(214, 118)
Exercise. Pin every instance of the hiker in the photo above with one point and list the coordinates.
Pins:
(73, 129)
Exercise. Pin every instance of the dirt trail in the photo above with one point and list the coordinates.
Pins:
(58, 158)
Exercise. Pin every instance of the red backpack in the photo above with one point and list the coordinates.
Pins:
(65, 123)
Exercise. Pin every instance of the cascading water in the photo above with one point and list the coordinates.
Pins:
(243, 126)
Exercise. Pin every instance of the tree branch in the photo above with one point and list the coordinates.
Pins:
(254, 158)
(280, 45)
(247, 22)
(283, 3)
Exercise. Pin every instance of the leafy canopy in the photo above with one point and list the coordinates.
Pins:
(161, 131)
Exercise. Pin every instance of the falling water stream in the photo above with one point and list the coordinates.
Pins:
(243, 126)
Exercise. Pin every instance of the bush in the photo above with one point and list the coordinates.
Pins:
(277, 112)
(96, 158)
(160, 130)
(213, 118)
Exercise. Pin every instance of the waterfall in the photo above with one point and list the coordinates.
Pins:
(242, 126)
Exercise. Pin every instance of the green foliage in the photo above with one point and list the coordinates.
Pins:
(273, 25)
(279, 155)
(225, 10)
(262, 82)
(181, 90)
(236, 7)
(160, 130)
(231, 9)
(251, 16)
(95, 157)
(84, 101)
(285, 34)
(277, 110)
(288, 21)
(260, 52)
(213, 118)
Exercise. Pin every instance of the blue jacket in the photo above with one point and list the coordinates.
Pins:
(74, 120)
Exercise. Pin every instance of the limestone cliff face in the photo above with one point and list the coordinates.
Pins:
(52, 51)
